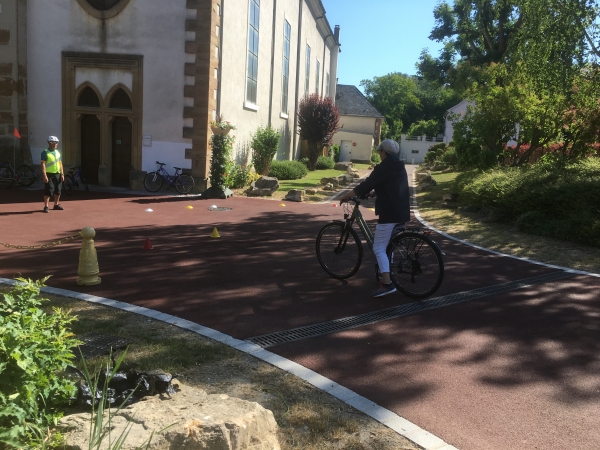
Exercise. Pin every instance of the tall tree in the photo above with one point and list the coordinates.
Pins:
(318, 120)
(520, 55)
(405, 100)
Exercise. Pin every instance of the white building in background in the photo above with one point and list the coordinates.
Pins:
(457, 110)
(360, 125)
(125, 83)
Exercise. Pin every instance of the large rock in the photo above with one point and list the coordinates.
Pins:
(200, 422)
(423, 177)
(263, 187)
(342, 165)
(267, 183)
(295, 195)
(333, 180)
(352, 172)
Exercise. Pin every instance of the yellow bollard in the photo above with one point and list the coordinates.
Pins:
(88, 261)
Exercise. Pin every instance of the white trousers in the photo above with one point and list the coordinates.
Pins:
(383, 232)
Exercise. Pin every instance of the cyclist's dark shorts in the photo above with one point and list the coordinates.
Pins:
(53, 186)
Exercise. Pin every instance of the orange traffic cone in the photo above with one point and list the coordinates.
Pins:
(147, 245)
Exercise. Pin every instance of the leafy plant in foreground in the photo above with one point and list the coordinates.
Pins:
(34, 348)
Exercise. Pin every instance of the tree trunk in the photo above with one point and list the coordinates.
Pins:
(313, 155)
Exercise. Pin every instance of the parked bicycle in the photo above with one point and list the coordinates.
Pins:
(154, 180)
(75, 180)
(416, 264)
(24, 175)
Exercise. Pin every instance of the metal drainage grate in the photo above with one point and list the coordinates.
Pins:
(95, 344)
(346, 323)
(220, 208)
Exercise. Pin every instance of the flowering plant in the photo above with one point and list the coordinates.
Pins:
(221, 123)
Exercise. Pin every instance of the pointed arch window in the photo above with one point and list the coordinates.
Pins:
(88, 98)
(103, 5)
(120, 100)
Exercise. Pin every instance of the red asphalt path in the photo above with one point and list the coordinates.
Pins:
(517, 370)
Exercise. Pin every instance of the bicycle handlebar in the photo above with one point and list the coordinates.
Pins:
(161, 164)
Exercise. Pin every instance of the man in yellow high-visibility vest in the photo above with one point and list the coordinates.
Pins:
(52, 173)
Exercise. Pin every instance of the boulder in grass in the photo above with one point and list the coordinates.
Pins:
(263, 187)
(342, 165)
(295, 195)
(195, 420)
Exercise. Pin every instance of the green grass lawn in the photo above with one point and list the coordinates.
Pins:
(313, 179)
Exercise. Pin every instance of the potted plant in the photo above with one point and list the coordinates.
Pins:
(220, 162)
(220, 126)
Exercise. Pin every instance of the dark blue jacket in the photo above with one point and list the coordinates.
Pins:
(390, 181)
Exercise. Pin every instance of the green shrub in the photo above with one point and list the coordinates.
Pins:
(375, 158)
(334, 152)
(448, 157)
(304, 161)
(288, 170)
(239, 176)
(34, 348)
(264, 143)
(551, 198)
(325, 163)
(434, 152)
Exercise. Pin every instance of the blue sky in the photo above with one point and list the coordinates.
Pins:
(380, 36)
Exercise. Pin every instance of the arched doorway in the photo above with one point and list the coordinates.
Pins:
(121, 138)
(108, 87)
(90, 147)
(121, 151)
(90, 135)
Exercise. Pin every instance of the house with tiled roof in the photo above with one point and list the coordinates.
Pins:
(360, 124)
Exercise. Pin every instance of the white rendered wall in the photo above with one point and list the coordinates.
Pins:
(248, 118)
(459, 109)
(364, 144)
(155, 30)
(356, 124)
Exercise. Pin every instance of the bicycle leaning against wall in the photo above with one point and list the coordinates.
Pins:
(75, 180)
(154, 180)
(416, 264)
(24, 175)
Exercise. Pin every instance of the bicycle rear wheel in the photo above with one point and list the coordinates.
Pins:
(25, 175)
(69, 184)
(184, 184)
(83, 182)
(153, 182)
(339, 250)
(7, 177)
(416, 265)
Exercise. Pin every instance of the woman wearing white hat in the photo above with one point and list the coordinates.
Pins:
(390, 183)
(52, 173)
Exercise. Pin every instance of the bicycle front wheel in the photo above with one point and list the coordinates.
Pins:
(339, 250)
(84, 183)
(7, 177)
(416, 265)
(25, 175)
(184, 184)
(153, 182)
(69, 184)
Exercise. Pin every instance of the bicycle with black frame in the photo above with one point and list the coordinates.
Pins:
(75, 180)
(24, 175)
(416, 264)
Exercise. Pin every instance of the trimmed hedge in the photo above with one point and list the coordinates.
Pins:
(288, 170)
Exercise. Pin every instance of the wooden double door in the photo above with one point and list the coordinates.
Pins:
(121, 138)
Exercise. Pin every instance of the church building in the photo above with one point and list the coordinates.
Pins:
(126, 83)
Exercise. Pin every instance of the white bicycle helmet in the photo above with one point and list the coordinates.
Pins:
(52, 139)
